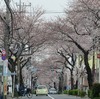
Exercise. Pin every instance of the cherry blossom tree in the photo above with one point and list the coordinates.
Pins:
(79, 27)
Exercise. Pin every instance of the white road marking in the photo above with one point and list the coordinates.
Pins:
(51, 97)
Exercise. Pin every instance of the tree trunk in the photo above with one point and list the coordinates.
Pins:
(12, 76)
(72, 80)
(88, 69)
(60, 85)
(21, 77)
(76, 85)
(55, 85)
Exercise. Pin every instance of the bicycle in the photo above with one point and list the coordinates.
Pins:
(26, 92)
(29, 93)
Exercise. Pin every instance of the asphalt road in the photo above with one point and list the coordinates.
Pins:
(54, 97)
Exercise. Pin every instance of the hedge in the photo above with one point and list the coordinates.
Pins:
(96, 90)
(75, 92)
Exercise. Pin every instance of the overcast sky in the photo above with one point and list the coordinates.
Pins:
(54, 5)
(47, 5)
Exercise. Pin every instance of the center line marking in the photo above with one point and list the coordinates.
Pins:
(51, 97)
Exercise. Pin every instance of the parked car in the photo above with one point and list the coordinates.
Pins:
(41, 90)
(52, 91)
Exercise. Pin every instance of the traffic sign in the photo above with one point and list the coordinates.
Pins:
(9, 74)
(3, 54)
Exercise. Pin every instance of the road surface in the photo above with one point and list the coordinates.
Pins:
(55, 96)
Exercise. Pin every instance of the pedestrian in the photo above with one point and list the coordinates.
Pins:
(8, 89)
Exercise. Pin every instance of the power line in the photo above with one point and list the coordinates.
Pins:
(14, 5)
(46, 12)
(53, 12)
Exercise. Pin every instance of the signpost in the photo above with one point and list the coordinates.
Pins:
(1, 75)
(3, 54)
(5, 71)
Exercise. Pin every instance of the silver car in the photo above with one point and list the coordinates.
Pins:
(52, 91)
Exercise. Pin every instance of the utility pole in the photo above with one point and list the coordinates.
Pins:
(22, 6)
(6, 47)
(7, 28)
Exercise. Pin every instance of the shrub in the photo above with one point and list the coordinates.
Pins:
(96, 98)
(96, 90)
(75, 92)
(89, 93)
(70, 92)
(82, 93)
(65, 91)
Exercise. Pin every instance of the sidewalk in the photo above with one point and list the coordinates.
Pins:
(86, 97)
(10, 97)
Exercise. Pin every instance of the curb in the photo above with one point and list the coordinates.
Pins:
(9, 97)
